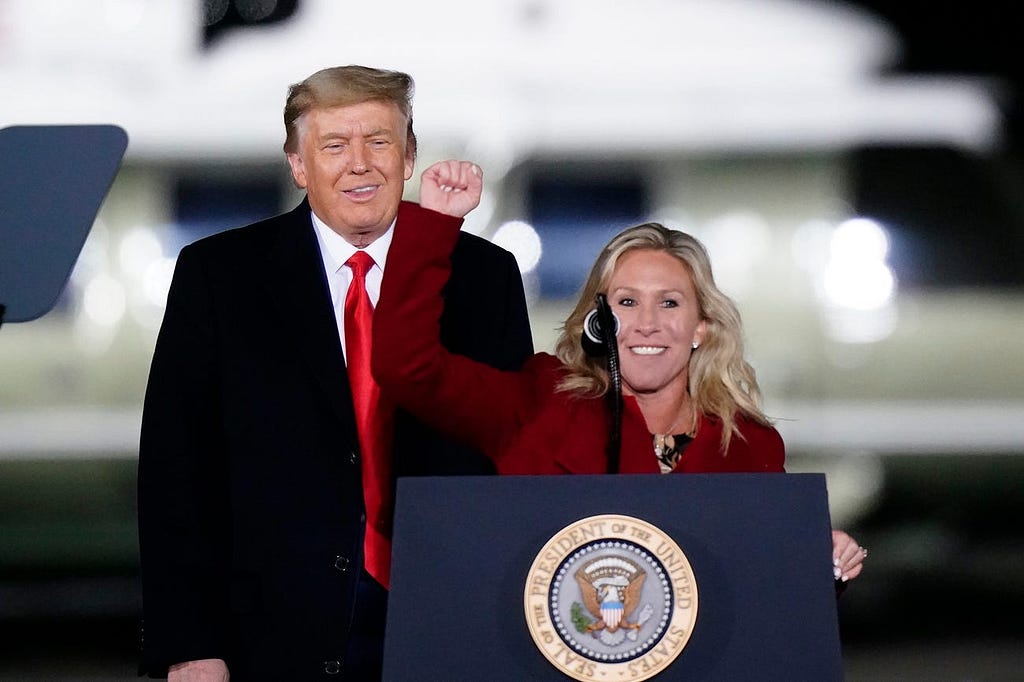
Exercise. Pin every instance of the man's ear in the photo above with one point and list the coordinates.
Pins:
(298, 170)
(410, 162)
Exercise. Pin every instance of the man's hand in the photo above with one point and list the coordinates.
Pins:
(451, 187)
(205, 670)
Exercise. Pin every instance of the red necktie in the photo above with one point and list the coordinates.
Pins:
(372, 422)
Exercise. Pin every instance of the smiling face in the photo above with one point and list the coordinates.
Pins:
(653, 295)
(353, 162)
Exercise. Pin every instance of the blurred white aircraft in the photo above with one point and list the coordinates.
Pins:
(505, 79)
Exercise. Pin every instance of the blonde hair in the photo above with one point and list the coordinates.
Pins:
(341, 86)
(721, 382)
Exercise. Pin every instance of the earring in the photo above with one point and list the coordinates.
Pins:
(695, 345)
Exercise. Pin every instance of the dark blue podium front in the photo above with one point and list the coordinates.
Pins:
(759, 546)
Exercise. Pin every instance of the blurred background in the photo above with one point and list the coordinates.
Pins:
(855, 169)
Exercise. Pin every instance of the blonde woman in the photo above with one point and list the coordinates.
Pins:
(689, 400)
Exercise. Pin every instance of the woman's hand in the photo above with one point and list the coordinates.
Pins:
(451, 187)
(847, 556)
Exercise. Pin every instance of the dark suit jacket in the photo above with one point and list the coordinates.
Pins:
(519, 418)
(250, 501)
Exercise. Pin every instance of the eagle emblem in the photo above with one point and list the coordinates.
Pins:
(610, 588)
(610, 597)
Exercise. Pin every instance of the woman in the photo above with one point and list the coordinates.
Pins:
(690, 402)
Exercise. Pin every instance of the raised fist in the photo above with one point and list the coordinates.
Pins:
(451, 187)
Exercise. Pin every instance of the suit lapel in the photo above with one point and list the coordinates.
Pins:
(299, 291)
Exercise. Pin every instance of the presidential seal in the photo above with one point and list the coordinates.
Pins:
(611, 598)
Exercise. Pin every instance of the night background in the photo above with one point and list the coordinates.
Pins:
(941, 596)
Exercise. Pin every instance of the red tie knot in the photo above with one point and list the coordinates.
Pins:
(360, 262)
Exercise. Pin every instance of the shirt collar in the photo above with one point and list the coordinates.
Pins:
(340, 250)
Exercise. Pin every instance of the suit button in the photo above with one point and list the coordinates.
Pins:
(341, 563)
(332, 667)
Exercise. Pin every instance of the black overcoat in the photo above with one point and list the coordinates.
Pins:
(250, 501)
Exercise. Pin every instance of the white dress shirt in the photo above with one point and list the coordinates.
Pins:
(335, 251)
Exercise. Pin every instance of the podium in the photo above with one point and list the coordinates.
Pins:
(758, 547)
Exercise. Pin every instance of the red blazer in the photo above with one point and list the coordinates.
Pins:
(518, 418)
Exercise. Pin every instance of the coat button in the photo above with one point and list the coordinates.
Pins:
(341, 563)
(353, 457)
(332, 667)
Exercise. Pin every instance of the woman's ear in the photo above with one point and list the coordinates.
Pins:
(699, 334)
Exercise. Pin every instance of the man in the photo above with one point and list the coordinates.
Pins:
(255, 483)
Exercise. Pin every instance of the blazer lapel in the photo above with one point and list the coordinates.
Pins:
(302, 299)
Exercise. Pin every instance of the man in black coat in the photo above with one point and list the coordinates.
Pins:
(251, 501)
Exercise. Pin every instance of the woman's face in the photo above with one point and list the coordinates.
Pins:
(659, 320)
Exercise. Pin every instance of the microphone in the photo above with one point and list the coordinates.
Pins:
(594, 340)
(597, 343)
